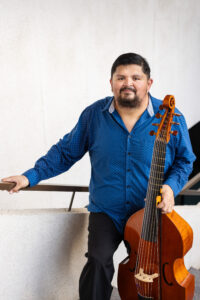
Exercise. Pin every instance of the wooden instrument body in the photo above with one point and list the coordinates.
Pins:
(177, 238)
(155, 269)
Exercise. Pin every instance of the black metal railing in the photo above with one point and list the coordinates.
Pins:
(190, 193)
(192, 188)
(6, 186)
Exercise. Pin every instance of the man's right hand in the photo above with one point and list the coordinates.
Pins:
(20, 180)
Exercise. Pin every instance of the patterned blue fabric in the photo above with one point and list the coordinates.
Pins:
(120, 160)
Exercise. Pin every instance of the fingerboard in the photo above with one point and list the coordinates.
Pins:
(151, 215)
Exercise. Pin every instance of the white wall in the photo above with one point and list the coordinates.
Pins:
(55, 59)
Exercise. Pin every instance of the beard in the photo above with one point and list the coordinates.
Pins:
(124, 101)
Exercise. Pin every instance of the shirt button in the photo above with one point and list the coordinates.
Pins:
(128, 170)
(127, 202)
(128, 186)
(129, 153)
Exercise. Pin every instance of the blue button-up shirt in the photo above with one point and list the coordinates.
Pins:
(120, 160)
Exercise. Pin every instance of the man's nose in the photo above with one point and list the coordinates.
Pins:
(128, 81)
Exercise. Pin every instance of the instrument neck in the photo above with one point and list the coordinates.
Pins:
(153, 190)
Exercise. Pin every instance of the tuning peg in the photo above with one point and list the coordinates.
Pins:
(158, 116)
(156, 124)
(175, 132)
(174, 123)
(152, 133)
(161, 107)
(178, 115)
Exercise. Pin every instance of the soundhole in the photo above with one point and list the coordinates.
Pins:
(144, 298)
(165, 279)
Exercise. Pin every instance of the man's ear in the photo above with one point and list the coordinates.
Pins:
(111, 84)
(150, 82)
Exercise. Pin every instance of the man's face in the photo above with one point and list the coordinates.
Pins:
(130, 85)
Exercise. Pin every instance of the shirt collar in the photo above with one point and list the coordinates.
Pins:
(111, 108)
(150, 107)
(107, 105)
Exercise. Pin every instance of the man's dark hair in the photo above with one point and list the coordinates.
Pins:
(131, 59)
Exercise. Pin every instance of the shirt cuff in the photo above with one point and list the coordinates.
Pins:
(173, 185)
(32, 176)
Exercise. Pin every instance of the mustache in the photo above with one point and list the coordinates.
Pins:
(127, 88)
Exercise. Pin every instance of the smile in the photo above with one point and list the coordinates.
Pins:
(127, 90)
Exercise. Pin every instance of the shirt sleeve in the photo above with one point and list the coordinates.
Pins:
(177, 175)
(62, 155)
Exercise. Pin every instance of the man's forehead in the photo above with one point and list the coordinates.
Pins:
(129, 68)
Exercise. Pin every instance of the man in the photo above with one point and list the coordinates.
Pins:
(115, 131)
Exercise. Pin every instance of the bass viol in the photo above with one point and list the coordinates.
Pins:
(158, 242)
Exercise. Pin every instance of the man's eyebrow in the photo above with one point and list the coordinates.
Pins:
(134, 75)
(137, 75)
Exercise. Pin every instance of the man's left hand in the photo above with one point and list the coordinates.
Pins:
(167, 203)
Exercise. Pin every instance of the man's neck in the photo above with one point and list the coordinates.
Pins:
(131, 115)
(132, 112)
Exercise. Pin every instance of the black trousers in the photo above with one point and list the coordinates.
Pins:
(97, 274)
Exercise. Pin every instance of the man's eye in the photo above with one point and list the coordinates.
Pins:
(120, 78)
(136, 78)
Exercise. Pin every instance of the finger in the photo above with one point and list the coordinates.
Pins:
(13, 190)
(10, 179)
(161, 205)
(164, 206)
(166, 212)
(16, 188)
(6, 179)
(167, 209)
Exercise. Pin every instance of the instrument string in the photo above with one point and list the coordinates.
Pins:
(158, 180)
(160, 153)
(148, 220)
(156, 183)
(151, 218)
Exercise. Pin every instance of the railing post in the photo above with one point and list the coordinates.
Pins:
(71, 202)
